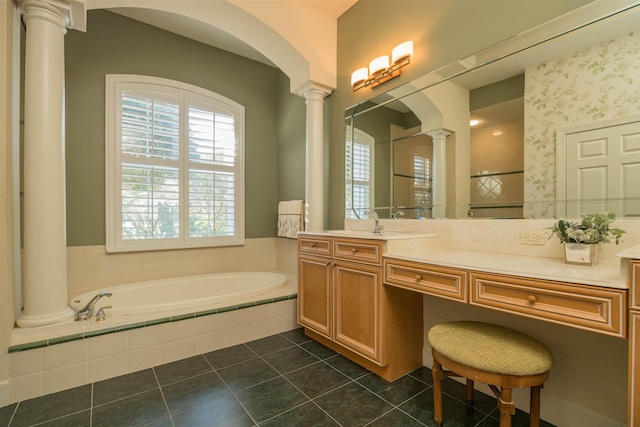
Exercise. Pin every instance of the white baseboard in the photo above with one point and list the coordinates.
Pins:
(552, 409)
(4, 393)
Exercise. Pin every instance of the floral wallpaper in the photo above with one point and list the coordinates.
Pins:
(597, 83)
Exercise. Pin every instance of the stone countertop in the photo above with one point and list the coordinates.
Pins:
(365, 234)
(609, 274)
(632, 252)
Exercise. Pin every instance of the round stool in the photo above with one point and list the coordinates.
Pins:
(491, 354)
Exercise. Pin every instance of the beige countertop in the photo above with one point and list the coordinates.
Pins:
(610, 275)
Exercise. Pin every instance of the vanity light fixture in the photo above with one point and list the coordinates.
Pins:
(380, 70)
(474, 122)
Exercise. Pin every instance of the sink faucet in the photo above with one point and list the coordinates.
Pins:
(397, 214)
(86, 311)
(377, 228)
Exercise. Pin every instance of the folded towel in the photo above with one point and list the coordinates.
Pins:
(290, 218)
(291, 207)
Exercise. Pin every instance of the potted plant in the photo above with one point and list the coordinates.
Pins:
(581, 237)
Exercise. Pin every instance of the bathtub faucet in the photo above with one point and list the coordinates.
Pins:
(85, 312)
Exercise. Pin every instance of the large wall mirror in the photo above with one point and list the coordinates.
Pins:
(556, 133)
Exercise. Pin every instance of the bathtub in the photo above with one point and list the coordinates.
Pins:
(187, 294)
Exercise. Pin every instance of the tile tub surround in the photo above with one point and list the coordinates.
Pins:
(66, 365)
(281, 380)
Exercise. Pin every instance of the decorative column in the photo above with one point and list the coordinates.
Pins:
(44, 286)
(314, 161)
(439, 172)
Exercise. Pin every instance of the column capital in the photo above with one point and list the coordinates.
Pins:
(314, 91)
(439, 133)
(65, 13)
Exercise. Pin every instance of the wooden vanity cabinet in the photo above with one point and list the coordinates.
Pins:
(343, 304)
(634, 344)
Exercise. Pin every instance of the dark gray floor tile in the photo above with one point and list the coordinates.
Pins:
(396, 392)
(165, 422)
(347, 367)
(423, 374)
(481, 401)
(290, 359)
(181, 369)
(141, 409)
(269, 344)
(52, 406)
(200, 390)
(353, 405)
(317, 379)
(6, 412)
(296, 335)
(520, 419)
(395, 418)
(230, 356)
(246, 374)
(222, 411)
(268, 399)
(318, 350)
(303, 416)
(79, 419)
(124, 386)
(455, 413)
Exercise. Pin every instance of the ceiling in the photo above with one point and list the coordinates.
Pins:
(212, 36)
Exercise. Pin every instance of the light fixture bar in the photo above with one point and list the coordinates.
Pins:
(382, 76)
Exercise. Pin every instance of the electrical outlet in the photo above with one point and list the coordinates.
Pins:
(534, 237)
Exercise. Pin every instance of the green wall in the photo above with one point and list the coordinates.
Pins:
(442, 31)
(114, 44)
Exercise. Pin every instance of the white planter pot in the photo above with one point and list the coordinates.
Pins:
(581, 253)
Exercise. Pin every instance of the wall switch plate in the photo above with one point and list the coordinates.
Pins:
(534, 237)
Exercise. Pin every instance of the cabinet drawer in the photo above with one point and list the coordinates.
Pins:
(634, 283)
(315, 245)
(582, 306)
(367, 251)
(444, 282)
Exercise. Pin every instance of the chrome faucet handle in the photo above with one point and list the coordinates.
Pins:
(101, 315)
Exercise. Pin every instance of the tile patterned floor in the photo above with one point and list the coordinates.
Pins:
(282, 380)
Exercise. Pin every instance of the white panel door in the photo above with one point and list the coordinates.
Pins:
(603, 171)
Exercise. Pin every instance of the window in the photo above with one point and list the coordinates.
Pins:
(359, 172)
(174, 168)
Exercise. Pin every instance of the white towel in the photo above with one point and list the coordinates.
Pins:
(290, 218)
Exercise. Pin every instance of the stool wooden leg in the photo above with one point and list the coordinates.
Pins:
(534, 404)
(438, 376)
(469, 391)
(506, 406)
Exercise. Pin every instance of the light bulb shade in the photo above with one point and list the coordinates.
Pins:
(402, 51)
(378, 65)
(359, 75)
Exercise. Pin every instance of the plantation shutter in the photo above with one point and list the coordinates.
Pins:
(174, 165)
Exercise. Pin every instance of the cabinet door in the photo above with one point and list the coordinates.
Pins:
(357, 309)
(314, 294)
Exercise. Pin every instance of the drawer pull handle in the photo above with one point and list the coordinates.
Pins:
(354, 250)
(532, 298)
(418, 277)
(313, 245)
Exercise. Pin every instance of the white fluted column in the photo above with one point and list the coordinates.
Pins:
(45, 250)
(439, 172)
(314, 162)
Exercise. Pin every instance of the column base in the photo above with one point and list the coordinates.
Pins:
(30, 321)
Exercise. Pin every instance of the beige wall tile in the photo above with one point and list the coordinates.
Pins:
(71, 353)
(25, 362)
(108, 345)
(108, 367)
(66, 377)
(26, 387)
(145, 358)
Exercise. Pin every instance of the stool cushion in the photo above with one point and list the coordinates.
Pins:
(490, 348)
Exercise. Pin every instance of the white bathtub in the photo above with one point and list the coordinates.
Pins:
(185, 293)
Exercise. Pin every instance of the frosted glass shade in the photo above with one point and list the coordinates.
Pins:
(378, 65)
(359, 75)
(402, 51)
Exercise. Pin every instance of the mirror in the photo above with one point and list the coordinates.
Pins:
(549, 105)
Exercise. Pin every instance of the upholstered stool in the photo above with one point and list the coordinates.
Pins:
(491, 354)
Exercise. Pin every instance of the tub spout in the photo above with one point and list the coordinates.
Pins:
(86, 311)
